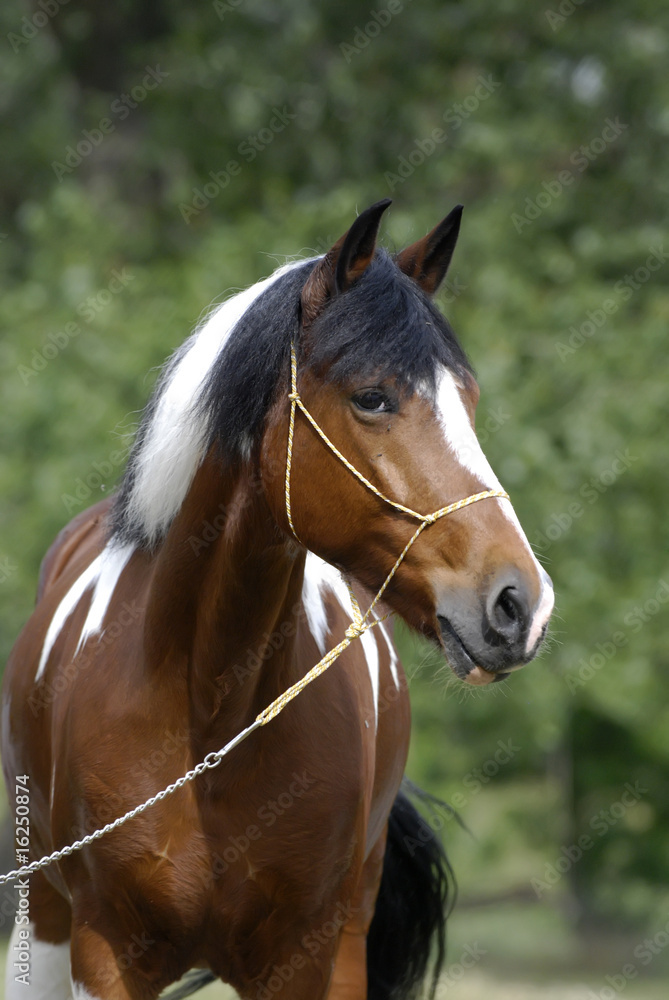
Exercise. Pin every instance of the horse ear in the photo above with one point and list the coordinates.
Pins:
(427, 260)
(343, 264)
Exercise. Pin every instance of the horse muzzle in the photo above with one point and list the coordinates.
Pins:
(485, 639)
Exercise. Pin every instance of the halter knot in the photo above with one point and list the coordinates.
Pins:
(353, 631)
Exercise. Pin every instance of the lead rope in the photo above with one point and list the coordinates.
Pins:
(359, 625)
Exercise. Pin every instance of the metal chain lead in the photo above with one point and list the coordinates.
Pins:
(212, 760)
(358, 626)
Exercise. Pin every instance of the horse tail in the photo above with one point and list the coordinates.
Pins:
(193, 981)
(415, 897)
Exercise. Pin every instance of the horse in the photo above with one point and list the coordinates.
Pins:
(173, 613)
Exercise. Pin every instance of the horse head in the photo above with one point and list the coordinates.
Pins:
(382, 375)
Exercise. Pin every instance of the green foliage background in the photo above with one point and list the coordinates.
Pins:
(519, 94)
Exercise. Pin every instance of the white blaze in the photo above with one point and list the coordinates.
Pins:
(462, 441)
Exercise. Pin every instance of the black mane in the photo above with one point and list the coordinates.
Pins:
(384, 327)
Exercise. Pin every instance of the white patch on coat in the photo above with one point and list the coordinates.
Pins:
(173, 446)
(392, 652)
(79, 992)
(67, 605)
(49, 973)
(312, 599)
(103, 574)
(112, 563)
(319, 576)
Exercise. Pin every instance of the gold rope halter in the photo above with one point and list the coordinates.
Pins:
(361, 623)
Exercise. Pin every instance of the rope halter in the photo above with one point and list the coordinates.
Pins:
(425, 519)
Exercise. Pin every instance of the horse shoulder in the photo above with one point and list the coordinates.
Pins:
(68, 542)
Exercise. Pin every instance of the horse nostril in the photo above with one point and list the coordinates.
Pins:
(507, 603)
(508, 614)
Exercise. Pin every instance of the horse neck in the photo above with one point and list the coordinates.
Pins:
(226, 584)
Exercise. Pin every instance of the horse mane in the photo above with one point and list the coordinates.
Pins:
(219, 385)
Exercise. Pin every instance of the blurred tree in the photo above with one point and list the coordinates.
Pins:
(186, 148)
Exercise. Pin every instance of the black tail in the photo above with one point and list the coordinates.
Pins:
(409, 925)
(191, 983)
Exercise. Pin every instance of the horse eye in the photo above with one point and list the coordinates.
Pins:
(372, 401)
